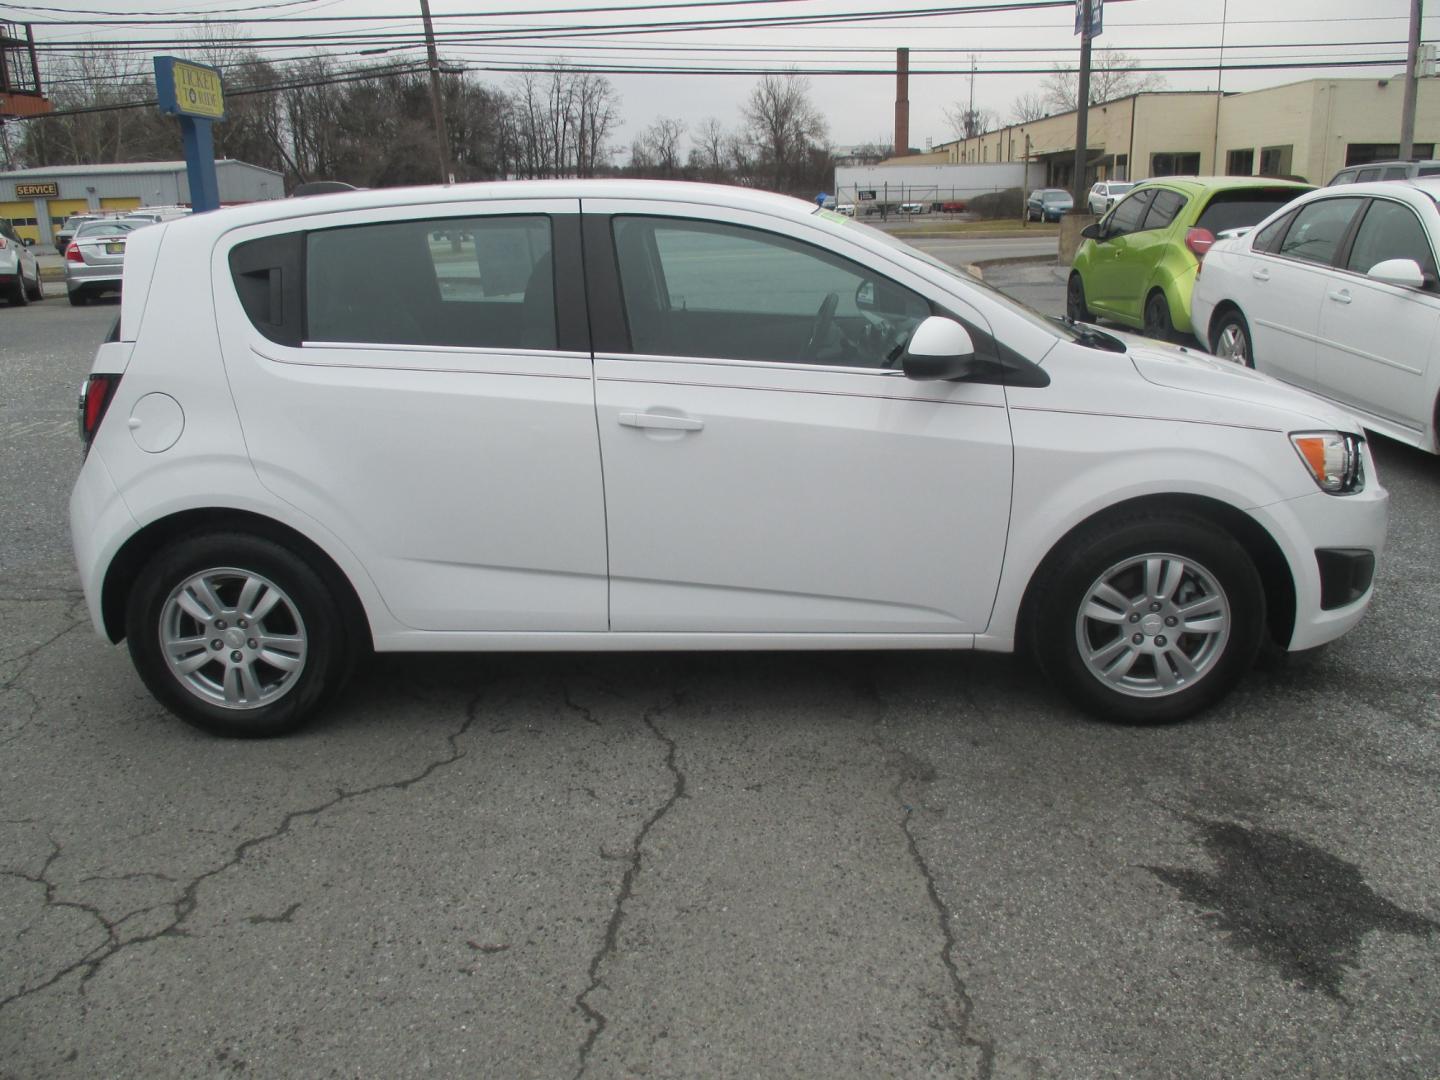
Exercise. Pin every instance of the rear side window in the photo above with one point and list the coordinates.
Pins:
(1244, 208)
(1429, 170)
(1163, 208)
(1268, 238)
(470, 282)
(1318, 229)
(266, 273)
(1364, 176)
(1396, 172)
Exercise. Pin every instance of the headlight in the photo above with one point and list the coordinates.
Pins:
(1333, 459)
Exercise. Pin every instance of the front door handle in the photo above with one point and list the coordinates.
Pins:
(1340, 296)
(1260, 275)
(662, 421)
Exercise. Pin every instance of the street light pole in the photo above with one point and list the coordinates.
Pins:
(1082, 112)
(1407, 115)
(442, 139)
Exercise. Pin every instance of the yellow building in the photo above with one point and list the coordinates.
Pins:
(1309, 129)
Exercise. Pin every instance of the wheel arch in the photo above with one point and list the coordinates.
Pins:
(1275, 573)
(141, 547)
(1222, 308)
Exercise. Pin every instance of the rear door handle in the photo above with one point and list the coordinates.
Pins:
(1341, 296)
(662, 421)
(1260, 275)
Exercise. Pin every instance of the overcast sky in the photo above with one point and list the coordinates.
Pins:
(858, 108)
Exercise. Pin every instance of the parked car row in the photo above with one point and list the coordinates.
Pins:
(1334, 290)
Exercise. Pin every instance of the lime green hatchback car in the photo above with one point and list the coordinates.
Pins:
(1137, 265)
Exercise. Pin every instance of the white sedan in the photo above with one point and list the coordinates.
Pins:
(621, 415)
(1338, 294)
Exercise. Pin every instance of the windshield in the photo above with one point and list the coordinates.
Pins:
(95, 228)
(1054, 326)
(1056, 196)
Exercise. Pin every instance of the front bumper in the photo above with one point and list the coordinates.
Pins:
(1332, 590)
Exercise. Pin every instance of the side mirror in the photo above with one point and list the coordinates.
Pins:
(940, 348)
(1092, 231)
(1403, 272)
(28, 242)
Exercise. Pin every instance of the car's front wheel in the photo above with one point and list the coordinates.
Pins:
(236, 634)
(1231, 339)
(1148, 619)
(19, 295)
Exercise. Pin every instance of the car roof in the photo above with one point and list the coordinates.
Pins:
(1224, 183)
(436, 196)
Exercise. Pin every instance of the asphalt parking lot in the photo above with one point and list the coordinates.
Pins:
(706, 865)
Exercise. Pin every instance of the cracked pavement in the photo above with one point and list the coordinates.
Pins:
(706, 865)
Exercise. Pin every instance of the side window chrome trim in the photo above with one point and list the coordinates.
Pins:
(754, 365)
(443, 350)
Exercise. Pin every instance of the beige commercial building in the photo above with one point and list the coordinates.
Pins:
(1309, 129)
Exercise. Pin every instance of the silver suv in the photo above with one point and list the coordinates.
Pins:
(1384, 170)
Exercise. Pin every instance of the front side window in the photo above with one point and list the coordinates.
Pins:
(1319, 227)
(1126, 217)
(472, 282)
(1163, 209)
(704, 289)
(1390, 231)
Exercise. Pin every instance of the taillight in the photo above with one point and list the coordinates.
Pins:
(72, 253)
(95, 395)
(3, 242)
(1199, 241)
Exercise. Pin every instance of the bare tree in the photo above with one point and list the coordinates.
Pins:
(1028, 107)
(966, 122)
(662, 144)
(1113, 74)
(708, 153)
(785, 126)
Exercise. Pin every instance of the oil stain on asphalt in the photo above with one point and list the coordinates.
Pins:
(1296, 906)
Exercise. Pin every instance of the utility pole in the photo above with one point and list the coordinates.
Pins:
(442, 139)
(1407, 116)
(1082, 111)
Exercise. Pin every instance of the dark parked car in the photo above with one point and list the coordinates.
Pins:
(1048, 204)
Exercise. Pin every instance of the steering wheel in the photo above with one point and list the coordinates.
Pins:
(820, 328)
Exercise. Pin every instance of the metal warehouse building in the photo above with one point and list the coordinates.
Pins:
(37, 201)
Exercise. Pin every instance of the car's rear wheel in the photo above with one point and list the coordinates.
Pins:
(38, 292)
(1148, 619)
(1075, 306)
(236, 634)
(1231, 339)
(19, 295)
(1157, 317)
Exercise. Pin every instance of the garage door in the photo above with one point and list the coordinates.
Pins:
(118, 202)
(22, 216)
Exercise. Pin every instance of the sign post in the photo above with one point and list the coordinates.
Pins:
(195, 94)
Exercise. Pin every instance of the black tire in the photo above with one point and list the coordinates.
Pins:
(1232, 334)
(38, 293)
(20, 295)
(1157, 317)
(1075, 306)
(77, 299)
(306, 612)
(1097, 661)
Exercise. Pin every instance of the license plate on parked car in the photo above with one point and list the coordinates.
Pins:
(115, 247)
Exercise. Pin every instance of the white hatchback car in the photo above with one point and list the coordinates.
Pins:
(1338, 294)
(629, 415)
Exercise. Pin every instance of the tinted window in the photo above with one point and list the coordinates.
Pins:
(97, 228)
(1241, 209)
(1366, 175)
(1428, 170)
(1163, 208)
(1389, 231)
(1319, 227)
(1396, 172)
(477, 282)
(1268, 238)
(703, 289)
(1125, 218)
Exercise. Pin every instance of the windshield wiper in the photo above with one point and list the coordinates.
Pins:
(1089, 336)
